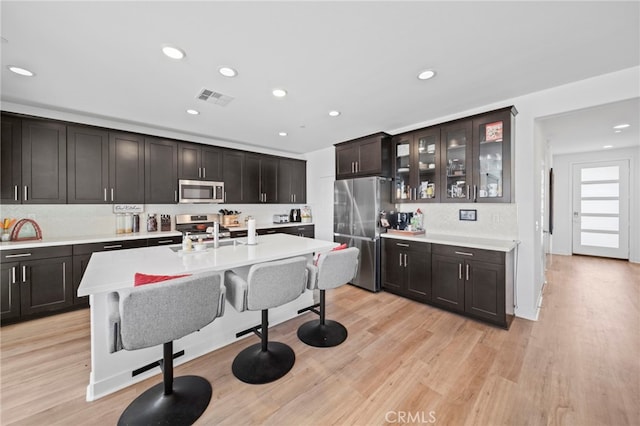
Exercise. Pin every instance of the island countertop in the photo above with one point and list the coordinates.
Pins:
(113, 270)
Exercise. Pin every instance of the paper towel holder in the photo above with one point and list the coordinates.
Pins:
(251, 231)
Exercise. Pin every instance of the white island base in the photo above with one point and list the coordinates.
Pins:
(110, 271)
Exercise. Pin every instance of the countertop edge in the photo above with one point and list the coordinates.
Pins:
(454, 240)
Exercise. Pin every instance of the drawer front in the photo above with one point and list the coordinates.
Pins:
(470, 253)
(164, 241)
(35, 253)
(108, 245)
(409, 245)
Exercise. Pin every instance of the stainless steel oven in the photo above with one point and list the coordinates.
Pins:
(200, 191)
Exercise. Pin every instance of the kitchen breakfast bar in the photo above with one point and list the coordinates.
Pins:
(115, 270)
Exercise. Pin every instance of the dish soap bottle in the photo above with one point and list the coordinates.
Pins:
(186, 242)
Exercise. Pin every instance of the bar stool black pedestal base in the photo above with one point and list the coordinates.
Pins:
(190, 398)
(326, 335)
(255, 366)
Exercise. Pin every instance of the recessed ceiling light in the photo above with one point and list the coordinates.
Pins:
(426, 75)
(21, 71)
(283, 133)
(622, 126)
(617, 131)
(173, 52)
(227, 71)
(608, 146)
(279, 93)
(193, 112)
(334, 113)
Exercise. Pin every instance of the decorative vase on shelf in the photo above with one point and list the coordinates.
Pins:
(6, 235)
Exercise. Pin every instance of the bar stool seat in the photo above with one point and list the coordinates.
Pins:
(267, 285)
(333, 270)
(160, 313)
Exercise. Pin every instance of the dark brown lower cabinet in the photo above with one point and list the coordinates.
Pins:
(477, 283)
(36, 281)
(300, 230)
(473, 282)
(407, 269)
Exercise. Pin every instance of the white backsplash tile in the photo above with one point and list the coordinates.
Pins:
(494, 220)
(69, 220)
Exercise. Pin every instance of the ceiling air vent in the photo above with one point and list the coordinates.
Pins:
(214, 97)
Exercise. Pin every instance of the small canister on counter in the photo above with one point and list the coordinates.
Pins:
(165, 222)
(136, 222)
(152, 223)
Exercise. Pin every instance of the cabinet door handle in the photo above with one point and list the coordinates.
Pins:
(165, 241)
(402, 245)
(9, 256)
(294, 198)
(26, 192)
(204, 173)
(405, 260)
(468, 190)
(24, 274)
(225, 196)
(112, 246)
(13, 275)
(175, 195)
(199, 172)
(15, 193)
(459, 271)
(463, 253)
(400, 260)
(105, 194)
(111, 194)
(475, 192)
(357, 166)
(467, 271)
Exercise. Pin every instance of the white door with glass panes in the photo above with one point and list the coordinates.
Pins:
(601, 209)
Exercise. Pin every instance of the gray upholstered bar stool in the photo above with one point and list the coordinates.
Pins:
(160, 313)
(266, 285)
(334, 269)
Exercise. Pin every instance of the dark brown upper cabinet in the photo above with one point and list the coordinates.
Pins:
(199, 162)
(126, 168)
(11, 160)
(88, 165)
(161, 171)
(416, 166)
(260, 183)
(233, 175)
(292, 181)
(366, 156)
(44, 162)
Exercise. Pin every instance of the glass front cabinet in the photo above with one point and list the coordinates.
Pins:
(416, 168)
(467, 160)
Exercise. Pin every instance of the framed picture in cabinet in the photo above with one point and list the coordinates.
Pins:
(493, 131)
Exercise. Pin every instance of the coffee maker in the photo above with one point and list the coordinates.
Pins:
(402, 221)
(294, 215)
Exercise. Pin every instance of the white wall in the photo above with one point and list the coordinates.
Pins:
(562, 169)
(320, 178)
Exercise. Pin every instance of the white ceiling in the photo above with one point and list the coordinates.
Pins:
(103, 59)
(591, 129)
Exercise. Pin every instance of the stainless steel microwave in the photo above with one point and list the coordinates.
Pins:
(200, 191)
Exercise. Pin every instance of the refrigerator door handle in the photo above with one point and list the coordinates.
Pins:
(354, 237)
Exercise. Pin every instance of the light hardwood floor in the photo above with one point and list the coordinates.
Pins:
(403, 362)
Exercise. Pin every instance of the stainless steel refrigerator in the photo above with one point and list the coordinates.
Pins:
(357, 204)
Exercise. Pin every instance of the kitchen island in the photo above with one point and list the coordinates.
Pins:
(111, 271)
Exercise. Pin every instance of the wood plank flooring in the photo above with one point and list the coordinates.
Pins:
(403, 363)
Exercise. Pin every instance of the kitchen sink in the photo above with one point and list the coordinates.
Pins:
(210, 245)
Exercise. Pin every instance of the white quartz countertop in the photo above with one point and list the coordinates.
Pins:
(114, 270)
(84, 239)
(458, 240)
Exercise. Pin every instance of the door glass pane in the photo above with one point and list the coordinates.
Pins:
(456, 164)
(600, 223)
(591, 174)
(599, 240)
(490, 159)
(600, 206)
(600, 190)
(427, 151)
(402, 171)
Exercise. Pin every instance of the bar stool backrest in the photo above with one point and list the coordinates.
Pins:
(273, 284)
(337, 268)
